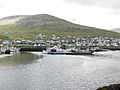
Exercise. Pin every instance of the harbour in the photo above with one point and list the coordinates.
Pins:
(39, 71)
(60, 45)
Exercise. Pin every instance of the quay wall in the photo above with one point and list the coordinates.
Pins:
(41, 48)
(31, 48)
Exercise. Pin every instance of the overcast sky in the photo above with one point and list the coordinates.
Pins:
(97, 13)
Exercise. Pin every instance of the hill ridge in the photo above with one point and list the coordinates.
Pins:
(47, 24)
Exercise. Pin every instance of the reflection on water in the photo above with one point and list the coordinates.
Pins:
(19, 59)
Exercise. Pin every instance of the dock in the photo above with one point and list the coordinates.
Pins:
(32, 48)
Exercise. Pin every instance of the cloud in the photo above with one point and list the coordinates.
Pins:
(2, 5)
(112, 4)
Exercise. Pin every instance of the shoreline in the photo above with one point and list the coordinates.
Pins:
(110, 87)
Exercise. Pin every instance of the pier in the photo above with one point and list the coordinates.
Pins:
(32, 48)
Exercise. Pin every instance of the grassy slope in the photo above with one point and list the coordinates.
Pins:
(52, 25)
(17, 32)
(3, 37)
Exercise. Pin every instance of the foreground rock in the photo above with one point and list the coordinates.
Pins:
(111, 87)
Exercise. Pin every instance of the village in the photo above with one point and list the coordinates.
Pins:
(68, 41)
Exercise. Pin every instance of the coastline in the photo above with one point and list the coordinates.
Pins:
(110, 87)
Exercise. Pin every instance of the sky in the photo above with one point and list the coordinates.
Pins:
(103, 14)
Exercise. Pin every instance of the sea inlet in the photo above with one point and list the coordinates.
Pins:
(37, 71)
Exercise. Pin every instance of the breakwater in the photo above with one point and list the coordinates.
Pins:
(31, 48)
(41, 48)
(111, 47)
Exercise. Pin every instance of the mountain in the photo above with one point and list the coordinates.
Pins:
(116, 30)
(3, 37)
(28, 26)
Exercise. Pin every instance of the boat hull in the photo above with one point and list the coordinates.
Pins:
(67, 52)
(70, 53)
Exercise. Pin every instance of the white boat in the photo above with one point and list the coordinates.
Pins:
(7, 50)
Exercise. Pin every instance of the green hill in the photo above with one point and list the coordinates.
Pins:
(3, 37)
(28, 26)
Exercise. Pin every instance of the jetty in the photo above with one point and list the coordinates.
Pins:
(32, 48)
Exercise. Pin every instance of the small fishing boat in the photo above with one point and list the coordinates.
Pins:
(8, 50)
(54, 51)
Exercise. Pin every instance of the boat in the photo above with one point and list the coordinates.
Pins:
(56, 51)
(8, 50)
(97, 49)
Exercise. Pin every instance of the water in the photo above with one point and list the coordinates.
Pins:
(27, 71)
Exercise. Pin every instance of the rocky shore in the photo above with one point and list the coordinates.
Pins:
(111, 87)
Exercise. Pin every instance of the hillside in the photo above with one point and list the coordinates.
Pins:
(28, 26)
(3, 37)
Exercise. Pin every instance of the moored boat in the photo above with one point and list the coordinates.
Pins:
(8, 50)
(67, 51)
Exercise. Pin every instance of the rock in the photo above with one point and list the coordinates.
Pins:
(111, 87)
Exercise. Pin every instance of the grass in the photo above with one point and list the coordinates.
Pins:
(52, 26)
(3, 37)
